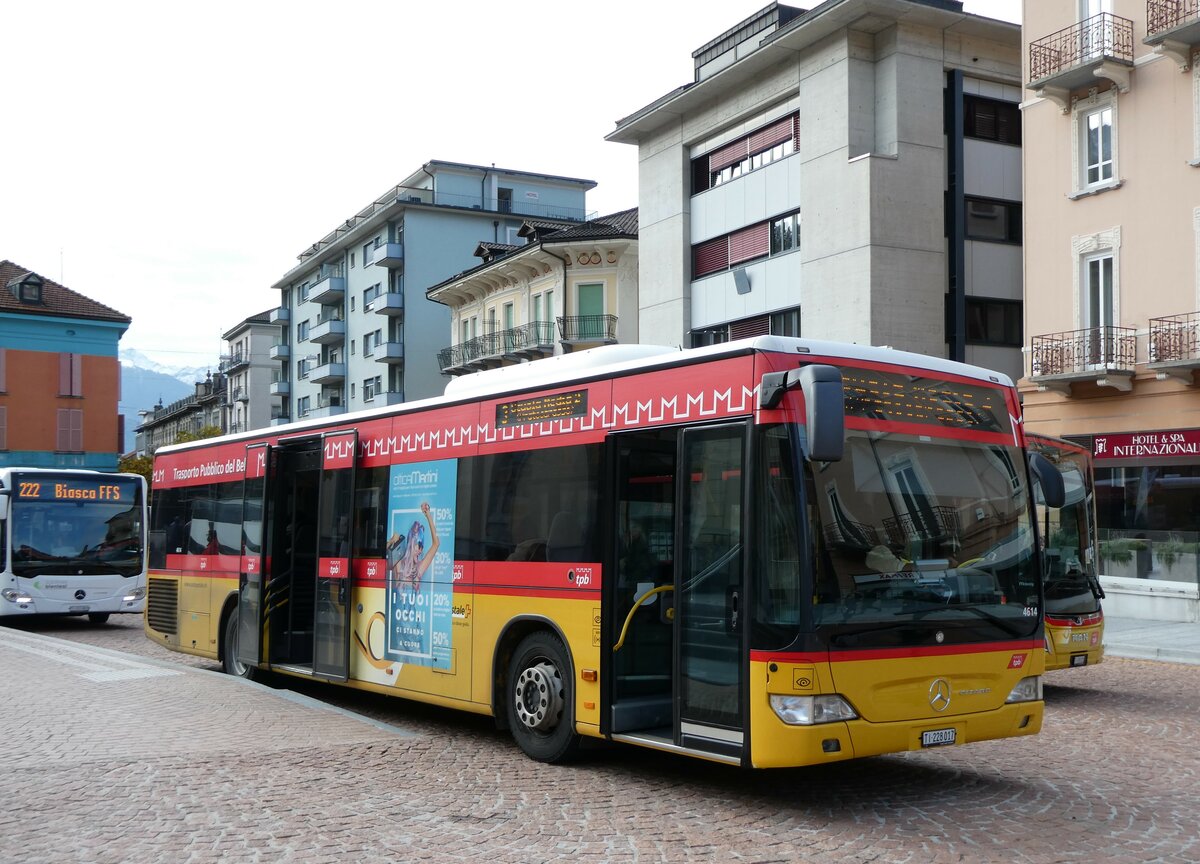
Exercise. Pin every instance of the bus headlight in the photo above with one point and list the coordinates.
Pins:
(15, 596)
(135, 594)
(1027, 690)
(811, 710)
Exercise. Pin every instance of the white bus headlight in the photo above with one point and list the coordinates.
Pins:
(15, 596)
(811, 710)
(135, 594)
(1027, 690)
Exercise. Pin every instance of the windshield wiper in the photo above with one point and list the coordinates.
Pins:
(1004, 624)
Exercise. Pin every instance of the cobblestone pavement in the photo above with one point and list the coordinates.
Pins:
(179, 764)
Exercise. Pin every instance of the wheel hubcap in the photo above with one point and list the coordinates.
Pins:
(539, 699)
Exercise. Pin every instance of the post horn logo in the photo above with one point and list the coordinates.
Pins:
(939, 694)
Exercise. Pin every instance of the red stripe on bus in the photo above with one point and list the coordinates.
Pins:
(844, 656)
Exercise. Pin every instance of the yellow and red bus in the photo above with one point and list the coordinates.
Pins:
(1074, 616)
(772, 552)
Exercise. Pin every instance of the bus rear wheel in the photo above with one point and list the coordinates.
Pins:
(97, 617)
(540, 699)
(234, 666)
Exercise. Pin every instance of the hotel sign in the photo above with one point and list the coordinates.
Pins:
(1147, 445)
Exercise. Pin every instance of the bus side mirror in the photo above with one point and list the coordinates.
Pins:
(3, 504)
(1054, 491)
(824, 406)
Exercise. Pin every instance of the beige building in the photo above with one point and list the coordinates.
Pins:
(1112, 275)
(251, 367)
(564, 289)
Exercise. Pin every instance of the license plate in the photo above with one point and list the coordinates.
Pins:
(938, 737)
(78, 608)
(1078, 659)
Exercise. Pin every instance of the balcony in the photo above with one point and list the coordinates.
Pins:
(330, 290)
(328, 331)
(1104, 356)
(1081, 56)
(328, 373)
(1172, 28)
(281, 388)
(389, 352)
(280, 351)
(327, 409)
(1175, 346)
(391, 303)
(579, 330)
(280, 420)
(389, 255)
(521, 206)
(525, 342)
(241, 394)
(280, 315)
(233, 362)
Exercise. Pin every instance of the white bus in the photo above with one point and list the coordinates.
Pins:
(72, 542)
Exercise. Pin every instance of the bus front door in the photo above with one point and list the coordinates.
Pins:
(249, 622)
(331, 629)
(709, 593)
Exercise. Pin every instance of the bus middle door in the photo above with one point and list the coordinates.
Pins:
(249, 615)
(335, 512)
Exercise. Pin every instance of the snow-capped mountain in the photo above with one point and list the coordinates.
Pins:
(189, 375)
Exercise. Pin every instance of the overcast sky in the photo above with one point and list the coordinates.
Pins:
(171, 160)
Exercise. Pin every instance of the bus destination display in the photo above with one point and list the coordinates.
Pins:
(560, 406)
(73, 489)
(907, 399)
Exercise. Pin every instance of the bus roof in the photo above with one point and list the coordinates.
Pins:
(617, 360)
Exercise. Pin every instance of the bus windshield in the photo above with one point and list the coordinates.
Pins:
(914, 532)
(68, 536)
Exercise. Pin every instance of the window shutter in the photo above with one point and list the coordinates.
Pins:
(64, 376)
(759, 326)
(76, 374)
(752, 242)
(3, 426)
(776, 133)
(728, 155)
(710, 256)
(63, 439)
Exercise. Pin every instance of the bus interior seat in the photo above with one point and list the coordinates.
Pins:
(565, 542)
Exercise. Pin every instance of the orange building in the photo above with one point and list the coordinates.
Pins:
(60, 379)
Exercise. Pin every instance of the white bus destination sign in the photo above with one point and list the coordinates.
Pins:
(1135, 445)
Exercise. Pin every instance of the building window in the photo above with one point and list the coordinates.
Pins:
(993, 322)
(352, 260)
(748, 153)
(1095, 132)
(710, 336)
(371, 387)
(304, 292)
(991, 120)
(993, 221)
(3, 381)
(3, 427)
(371, 293)
(70, 430)
(303, 405)
(302, 368)
(785, 233)
(302, 331)
(370, 341)
(70, 375)
(786, 323)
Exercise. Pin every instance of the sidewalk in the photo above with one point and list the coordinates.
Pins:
(1139, 639)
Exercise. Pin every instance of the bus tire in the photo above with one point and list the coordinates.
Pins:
(98, 617)
(540, 699)
(230, 661)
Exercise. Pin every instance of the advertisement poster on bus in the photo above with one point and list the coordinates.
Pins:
(420, 561)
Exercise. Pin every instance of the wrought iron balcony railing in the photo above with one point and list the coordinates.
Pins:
(1174, 338)
(1099, 37)
(933, 523)
(1082, 351)
(525, 338)
(1164, 15)
(588, 328)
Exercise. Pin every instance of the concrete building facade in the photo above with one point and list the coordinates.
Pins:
(851, 171)
(60, 379)
(1112, 276)
(250, 366)
(359, 329)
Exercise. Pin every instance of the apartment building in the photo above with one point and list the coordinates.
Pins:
(1112, 275)
(250, 365)
(205, 410)
(358, 328)
(564, 289)
(60, 379)
(850, 172)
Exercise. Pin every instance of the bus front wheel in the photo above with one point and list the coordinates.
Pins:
(540, 708)
(97, 617)
(234, 666)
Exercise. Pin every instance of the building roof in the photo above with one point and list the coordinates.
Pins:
(258, 318)
(57, 300)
